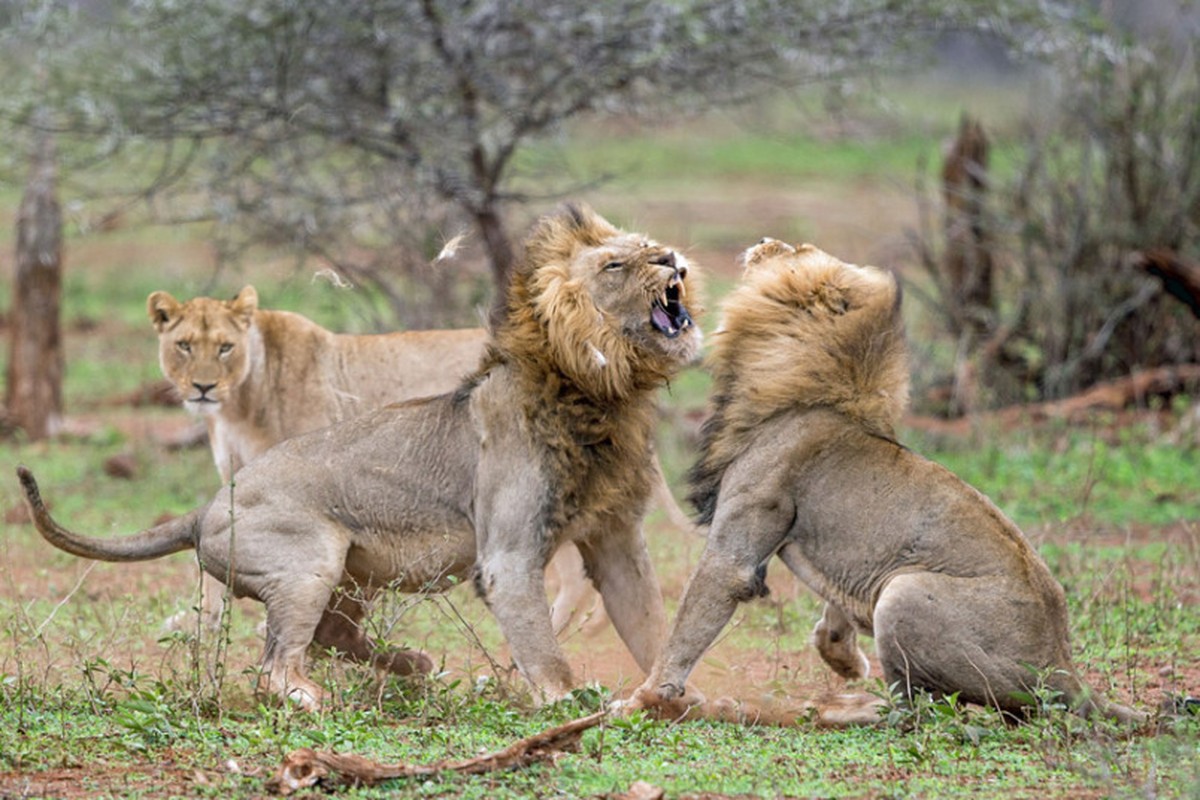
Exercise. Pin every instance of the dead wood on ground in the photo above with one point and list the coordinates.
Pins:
(304, 768)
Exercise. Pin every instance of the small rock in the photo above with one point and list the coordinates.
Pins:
(122, 465)
(641, 790)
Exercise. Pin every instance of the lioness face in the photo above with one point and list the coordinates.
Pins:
(641, 287)
(202, 345)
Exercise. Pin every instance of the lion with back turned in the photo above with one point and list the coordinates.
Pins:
(800, 460)
(547, 443)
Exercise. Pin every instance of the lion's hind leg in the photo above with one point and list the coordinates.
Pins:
(293, 614)
(576, 596)
(341, 628)
(619, 564)
(983, 639)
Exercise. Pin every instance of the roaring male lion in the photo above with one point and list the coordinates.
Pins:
(548, 442)
(800, 460)
(259, 376)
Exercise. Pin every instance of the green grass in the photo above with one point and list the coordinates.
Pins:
(886, 133)
(683, 157)
(1115, 475)
(947, 753)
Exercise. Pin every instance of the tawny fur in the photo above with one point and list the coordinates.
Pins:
(805, 332)
(800, 460)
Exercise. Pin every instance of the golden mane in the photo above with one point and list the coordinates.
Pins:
(803, 331)
(552, 326)
(587, 383)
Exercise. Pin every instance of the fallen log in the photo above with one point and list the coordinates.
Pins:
(1115, 395)
(304, 768)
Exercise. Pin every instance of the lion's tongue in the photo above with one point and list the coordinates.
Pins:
(662, 321)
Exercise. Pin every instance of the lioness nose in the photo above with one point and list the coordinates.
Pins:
(667, 259)
(204, 388)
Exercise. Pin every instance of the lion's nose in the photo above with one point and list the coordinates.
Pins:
(204, 388)
(667, 259)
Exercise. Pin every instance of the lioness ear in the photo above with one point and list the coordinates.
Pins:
(162, 308)
(246, 302)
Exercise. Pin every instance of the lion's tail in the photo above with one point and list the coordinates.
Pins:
(178, 534)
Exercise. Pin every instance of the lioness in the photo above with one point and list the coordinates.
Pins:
(800, 460)
(258, 376)
(548, 442)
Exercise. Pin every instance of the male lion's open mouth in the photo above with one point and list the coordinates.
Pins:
(667, 314)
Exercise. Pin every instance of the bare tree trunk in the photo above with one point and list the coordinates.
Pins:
(35, 367)
(967, 264)
(500, 254)
(968, 261)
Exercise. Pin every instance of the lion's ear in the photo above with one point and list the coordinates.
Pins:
(585, 225)
(246, 303)
(162, 308)
(578, 216)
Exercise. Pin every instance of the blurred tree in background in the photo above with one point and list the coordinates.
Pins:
(1108, 174)
(33, 378)
(365, 133)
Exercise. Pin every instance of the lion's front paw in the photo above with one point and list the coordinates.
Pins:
(841, 652)
(665, 702)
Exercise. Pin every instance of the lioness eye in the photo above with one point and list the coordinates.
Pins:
(224, 349)
(184, 347)
(612, 266)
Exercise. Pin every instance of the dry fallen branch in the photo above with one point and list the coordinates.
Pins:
(1115, 395)
(304, 768)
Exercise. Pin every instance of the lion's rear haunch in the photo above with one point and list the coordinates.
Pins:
(170, 537)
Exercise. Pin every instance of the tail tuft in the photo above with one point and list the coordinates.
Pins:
(29, 485)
